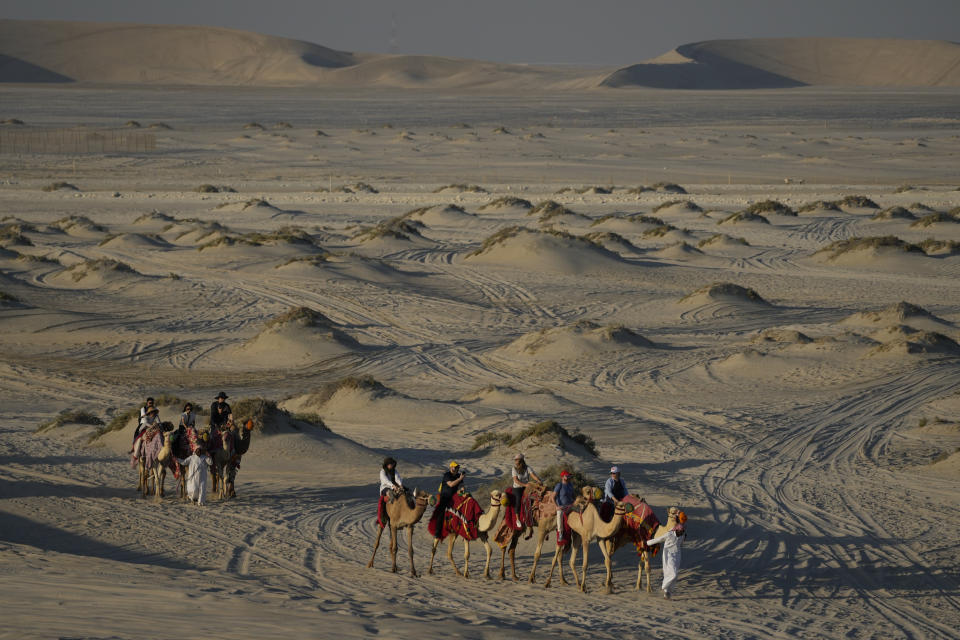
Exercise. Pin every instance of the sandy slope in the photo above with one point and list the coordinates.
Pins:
(808, 428)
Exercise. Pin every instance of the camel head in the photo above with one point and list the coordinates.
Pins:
(590, 494)
(422, 497)
(498, 499)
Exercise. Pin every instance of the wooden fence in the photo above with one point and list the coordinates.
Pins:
(73, 141)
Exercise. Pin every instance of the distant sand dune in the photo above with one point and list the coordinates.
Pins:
(765, 63)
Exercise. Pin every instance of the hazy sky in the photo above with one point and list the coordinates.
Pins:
(601, 32)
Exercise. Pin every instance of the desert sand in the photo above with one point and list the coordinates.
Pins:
(713, 300)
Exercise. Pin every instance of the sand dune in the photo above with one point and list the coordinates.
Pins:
(578, 340)
(792, 62)
(902, 313)
(295, 338)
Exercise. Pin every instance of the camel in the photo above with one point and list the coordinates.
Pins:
(221, 459)
(150, 471)
(402, 516)
(585, 522)
(624, 538)
(485, 525)
(545, 525)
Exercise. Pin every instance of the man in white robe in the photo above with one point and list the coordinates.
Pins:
(197, 466)
(671, 556)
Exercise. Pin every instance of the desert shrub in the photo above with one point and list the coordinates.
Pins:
(160, 125)
(502, 130)
(227, 241)
(507, 201)
(283, 125)
(744, 216)
(922, 423)
(931, 245)
(770, 206)
(363, 187)
(82, 269)
(819, 205)
(860, 202)
(288, 234)
(933, 218)
(398, 228)
(207, 188)
(659, 232)
(133, 124)
(12, 234)
(549, 207)
(316, 260)
(720, 236)
(668, 187)
(689, 204)
(638, 190)
(726, 289)
(78, 416)
(26, 257)
(253, 125)
(904, 188)
(13, 121)
(856, 243)
(578, 478)
(498, 238)
(490, 438)
(56, 186)
(66, 222)
(893, 213)
(919, 206)
(462, 188)
(359, 383)
(267, 416)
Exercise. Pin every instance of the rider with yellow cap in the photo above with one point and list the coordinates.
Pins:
(449, 485)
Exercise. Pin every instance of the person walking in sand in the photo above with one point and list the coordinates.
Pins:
(671, 541)
(197, 466)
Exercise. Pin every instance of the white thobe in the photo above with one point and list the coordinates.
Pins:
(197, 472)
(671, 557)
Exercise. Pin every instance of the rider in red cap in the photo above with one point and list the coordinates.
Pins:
(563, 495)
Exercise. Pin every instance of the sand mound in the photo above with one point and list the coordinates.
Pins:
(449, 215)
(49, 51)
(902, 313)
(296, 338)
(612, 242)
(888, 252)
(894, 213)
(135, 242)
(544, 440)
(78, 226)
(744, 217)
(501, 397)
(574, 341)
(96, 273)
(908, 341)
(787, 336)
(548, 250)
(507, 203)
(365, 402)
(791, 62)
(724, 292)
(724, 242)
(678, 251)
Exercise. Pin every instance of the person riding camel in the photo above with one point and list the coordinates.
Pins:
(220, 412)
(150, 422)
(521, 474)
(614, 491)
(143, 415)
(391, 485)
(563, 496)
(452, 481)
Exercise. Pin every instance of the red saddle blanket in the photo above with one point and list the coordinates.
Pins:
(640, 524)
(461, 518)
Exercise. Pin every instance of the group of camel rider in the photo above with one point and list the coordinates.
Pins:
(192, 445)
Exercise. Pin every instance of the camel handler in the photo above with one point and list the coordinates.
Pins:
(563, 495)
(671, 542)
(197, 466)
(452, 481)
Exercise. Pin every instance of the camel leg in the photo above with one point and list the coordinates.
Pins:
(433, 552)
(393, 547)
(376, 545)
(466, 558)
(413, 570)
(646, 567)
(489, 549)
(453, 538)
(513, 557)
(157, 484)
(163, 479)
(503, 560)
(562, 551)
(553, 564)
(542, 533)
(606, 548)
(586, 551)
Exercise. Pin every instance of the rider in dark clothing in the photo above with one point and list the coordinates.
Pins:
(451, 483)
(220, 411)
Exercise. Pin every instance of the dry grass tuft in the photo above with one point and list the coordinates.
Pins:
(770, 207)
(840, 247)
(77, 416)
(687, 204)
(507, 201)
(60, 186)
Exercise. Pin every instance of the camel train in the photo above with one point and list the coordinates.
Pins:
(631, 523)
(164, 448)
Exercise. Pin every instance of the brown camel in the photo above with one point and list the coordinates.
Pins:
(586, 523)
(402, 516)
(485, 525)
(625, 538)
(546, 523)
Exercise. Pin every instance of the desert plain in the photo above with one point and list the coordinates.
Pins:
(748, 300)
